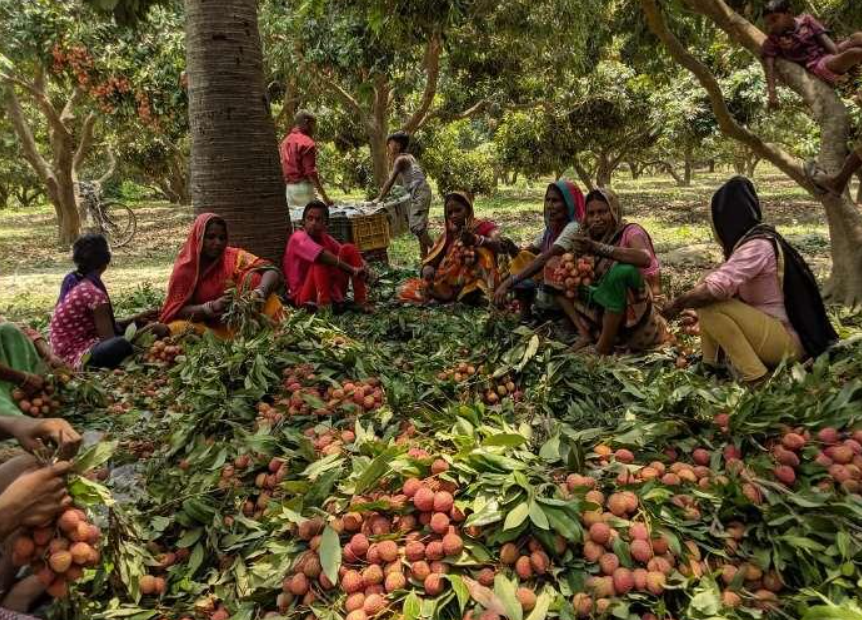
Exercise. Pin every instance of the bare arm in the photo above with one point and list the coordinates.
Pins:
(825, 40)
(698, 297)
(535, 266)
(331, 260)
(268, 281)
(104, 322)
(637, 255)
(399, 166)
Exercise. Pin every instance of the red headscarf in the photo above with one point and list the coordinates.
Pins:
(186, 280)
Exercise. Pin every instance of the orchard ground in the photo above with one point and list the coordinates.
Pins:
(32, 265)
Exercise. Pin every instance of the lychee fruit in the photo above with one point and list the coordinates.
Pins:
(452, 544)
(527, 598)
(600, 533)
(641, 551)
(424, 499)
(443, 501)
(524, 568)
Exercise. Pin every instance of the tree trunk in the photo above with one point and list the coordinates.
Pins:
(583, 174)
(711, 165)
(859, 188)
(826, 108)
(635, 170)
(751, 165)
(58, 175)
(687, 169)
(235, 167)
(604, 171)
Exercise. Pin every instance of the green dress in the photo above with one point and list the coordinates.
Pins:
(18, 353)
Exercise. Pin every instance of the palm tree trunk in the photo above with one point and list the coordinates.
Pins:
(235, 168)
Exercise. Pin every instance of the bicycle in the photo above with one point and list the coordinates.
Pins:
(113, 219)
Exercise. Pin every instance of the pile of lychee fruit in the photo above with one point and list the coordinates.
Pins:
(461, 372)
(839, 452)
(305, 396)
(41, 404)
(573, 272)
(328, 440)
(163, 352)
(464, 254)
(500, 389)
(59, 552)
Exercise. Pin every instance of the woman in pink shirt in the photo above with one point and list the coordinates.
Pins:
(83, 329)
(762, 305)
(318, 268)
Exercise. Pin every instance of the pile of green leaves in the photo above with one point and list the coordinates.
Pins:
(507, 460)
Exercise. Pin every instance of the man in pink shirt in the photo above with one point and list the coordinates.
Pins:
(319, 269)
(299, 162)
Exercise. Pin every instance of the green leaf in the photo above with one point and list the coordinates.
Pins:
(89, 492)
(195, 560)
(190, 538)
(706, 602)
(376, 469)
(517, 516)
(460, 590)
(131, 330)
(330, 554)
(538, 517)
(543, 603)
(95, 455)
(412, 606)
(505, 591)
(509, 440)
(550, 450)
(529, 353)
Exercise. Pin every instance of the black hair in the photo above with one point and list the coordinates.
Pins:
(777, 6)
(596, 194)
(90, 253)
(316, 204)
(401, 138)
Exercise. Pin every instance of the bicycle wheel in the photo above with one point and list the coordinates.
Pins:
(120, 223)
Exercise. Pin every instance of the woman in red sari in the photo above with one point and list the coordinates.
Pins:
(205, 269)
(462, 264)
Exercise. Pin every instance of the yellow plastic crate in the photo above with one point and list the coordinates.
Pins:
(371, 232)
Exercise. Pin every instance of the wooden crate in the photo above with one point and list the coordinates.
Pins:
(371, 232)
(380, 256)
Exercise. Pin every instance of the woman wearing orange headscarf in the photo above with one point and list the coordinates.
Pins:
(205, 269)
(462, 264)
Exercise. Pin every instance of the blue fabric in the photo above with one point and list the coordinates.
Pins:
(110, 353)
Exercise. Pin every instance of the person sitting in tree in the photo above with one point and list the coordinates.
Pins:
(805, 41)
(205, 269)
(563, 212)
(31, 495)
(762, 305)
(617, 310)
(84, 331)
(319, 269)
(407, 173)
(462, 264)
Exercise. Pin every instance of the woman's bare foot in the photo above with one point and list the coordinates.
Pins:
(580, 344)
